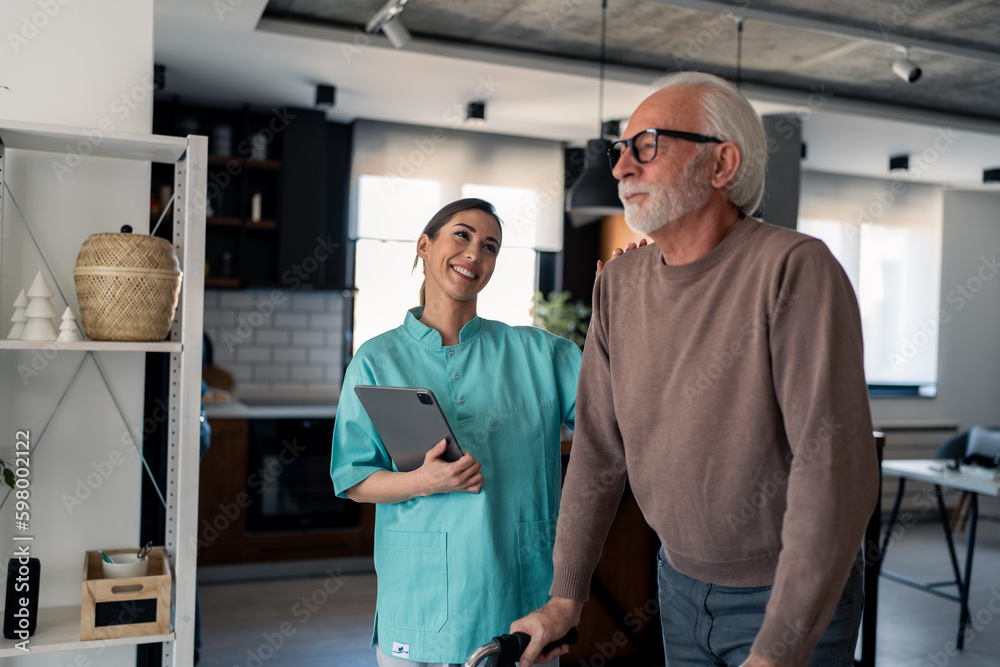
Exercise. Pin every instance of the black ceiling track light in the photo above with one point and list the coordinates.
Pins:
(595, 193)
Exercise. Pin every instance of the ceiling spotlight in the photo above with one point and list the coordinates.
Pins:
(475, 113)
(991, 175)
(905, 69)
(325, 96)
(387, 20)
(899, 163)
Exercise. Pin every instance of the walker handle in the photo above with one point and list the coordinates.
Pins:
(513, 645)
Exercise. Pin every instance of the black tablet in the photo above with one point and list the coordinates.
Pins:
(409, 421)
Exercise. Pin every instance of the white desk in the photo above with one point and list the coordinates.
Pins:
(937, 473)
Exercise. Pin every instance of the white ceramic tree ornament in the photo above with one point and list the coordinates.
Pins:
(18, 318)
(67, 330)
(39, 311)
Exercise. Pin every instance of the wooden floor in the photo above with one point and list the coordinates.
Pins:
(326, 621)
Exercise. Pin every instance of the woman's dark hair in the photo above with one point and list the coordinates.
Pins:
(444, 216)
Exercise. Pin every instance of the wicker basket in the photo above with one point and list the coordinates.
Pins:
(127, 287)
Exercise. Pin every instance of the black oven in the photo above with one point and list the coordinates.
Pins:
(288, 478)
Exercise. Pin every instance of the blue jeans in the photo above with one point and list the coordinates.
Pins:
(705, 625)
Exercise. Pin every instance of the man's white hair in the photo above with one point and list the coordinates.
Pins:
(727, 114)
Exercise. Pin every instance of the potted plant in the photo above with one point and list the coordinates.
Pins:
(559, 315)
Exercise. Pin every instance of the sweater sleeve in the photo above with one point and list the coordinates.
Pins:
(596, 474)
(819, 381)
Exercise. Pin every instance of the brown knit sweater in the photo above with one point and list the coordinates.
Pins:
(732, 392)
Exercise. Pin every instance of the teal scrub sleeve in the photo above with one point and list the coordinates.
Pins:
(357, 450)
(566, 358)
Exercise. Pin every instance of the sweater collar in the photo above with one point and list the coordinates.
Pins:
(712, 257)
(430, 336)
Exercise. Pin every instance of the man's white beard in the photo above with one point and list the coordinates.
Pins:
(666, 203)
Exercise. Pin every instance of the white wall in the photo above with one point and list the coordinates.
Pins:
(969, 352)
(85, 64)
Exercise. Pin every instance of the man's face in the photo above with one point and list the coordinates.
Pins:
(676, 182)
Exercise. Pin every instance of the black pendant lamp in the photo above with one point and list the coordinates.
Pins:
(594, 194)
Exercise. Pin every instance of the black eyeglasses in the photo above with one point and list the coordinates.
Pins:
(644, 144)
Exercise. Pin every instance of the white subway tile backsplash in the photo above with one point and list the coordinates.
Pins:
(241, 373)
(271, 337)
(316, 301)
(311, 338)
(240, 300)
(224, 355)
(324, 356)
(287, 342)
(220, 318)
(291, 320)
(324, 321)
(253, 354)
(270, 372)
(290, 355)
(307, 373)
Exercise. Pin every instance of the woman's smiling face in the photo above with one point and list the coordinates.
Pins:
(460, 261)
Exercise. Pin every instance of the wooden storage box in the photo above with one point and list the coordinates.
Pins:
(133, 607)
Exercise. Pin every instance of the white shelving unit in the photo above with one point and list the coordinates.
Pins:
(59, 627)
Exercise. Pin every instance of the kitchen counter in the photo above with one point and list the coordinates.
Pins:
(279, 408)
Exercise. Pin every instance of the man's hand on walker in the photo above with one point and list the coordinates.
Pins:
(545, 625)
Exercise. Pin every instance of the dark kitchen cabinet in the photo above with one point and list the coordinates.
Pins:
(276, 199)
(236, 520)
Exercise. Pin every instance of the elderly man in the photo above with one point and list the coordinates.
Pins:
(723, 375)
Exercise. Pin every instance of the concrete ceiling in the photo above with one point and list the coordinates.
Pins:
(535, 62)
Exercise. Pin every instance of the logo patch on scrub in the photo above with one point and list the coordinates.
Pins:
(400, 650)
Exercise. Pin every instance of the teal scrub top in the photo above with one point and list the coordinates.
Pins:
(455, 569)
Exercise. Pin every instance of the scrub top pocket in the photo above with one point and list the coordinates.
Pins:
(535, 540)
(413, 575)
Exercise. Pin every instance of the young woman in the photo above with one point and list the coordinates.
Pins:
(464, 548)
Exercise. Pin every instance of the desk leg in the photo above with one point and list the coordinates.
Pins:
(892, 519)
(963, 619)
(943, 513)
(873, 564)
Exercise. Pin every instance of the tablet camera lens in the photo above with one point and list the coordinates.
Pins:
(425, 399)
